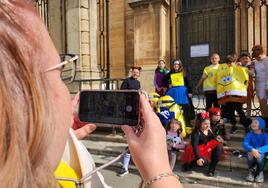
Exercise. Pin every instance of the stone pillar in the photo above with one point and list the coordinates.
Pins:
(73, 28)
(57, 24)
(150, 35)
(81, 38)
(251, 22)
(64, 29)
(89, 43)
(129, 43)
(244, 32)
(117, 38)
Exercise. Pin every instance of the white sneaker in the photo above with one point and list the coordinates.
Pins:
(250, 177)
(122, 172)
(259, 178)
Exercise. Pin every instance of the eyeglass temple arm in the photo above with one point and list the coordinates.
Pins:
(62, 63)
(74, 58)
(83, 179)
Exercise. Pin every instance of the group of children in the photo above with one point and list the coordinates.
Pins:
(209, 132)
(209, 136)
(208, 139)
(174, 83)
(229, 85)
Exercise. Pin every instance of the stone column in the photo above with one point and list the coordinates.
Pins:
(57, 24)
(117, 38)
(64, 29)
(251, 21)
(150, 36)
(73, 28)
(81, 38)
(89, 43)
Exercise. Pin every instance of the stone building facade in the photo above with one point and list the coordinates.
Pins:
(140, 30)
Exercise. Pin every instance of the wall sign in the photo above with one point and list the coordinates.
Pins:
(199, 50)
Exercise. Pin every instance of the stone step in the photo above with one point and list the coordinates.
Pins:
(115, 149)
(116, 130)
(232, 145)
(223, 177)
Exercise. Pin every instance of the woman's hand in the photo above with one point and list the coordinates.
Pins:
(81, 129)
(149, 149)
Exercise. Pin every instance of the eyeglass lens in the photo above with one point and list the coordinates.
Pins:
(68, 72)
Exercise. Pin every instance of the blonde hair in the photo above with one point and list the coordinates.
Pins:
(26, 120)
(215, 54)
(174, 121)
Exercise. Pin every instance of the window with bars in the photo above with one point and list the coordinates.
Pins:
(42, 8)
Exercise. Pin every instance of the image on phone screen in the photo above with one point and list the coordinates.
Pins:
(118, 107)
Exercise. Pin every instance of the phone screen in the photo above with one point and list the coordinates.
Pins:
(119, 107)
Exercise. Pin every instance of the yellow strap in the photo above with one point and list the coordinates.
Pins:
(64, 170)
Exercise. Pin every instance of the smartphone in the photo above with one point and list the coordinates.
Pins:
(120, 107)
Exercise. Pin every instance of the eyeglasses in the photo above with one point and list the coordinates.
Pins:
(67, 66)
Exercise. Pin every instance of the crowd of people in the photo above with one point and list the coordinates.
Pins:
(227, 87)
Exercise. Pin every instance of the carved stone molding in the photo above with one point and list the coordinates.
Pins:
(145, 3)
(138, 3)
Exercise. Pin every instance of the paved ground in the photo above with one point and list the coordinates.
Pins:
(132, 180)
(104, 146)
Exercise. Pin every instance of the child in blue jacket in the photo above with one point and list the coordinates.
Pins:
(253, 143)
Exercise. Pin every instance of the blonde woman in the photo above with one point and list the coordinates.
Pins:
(36, 112)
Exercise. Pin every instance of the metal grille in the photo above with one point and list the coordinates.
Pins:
(42, 8)
(208, 22)
(228, 26)
(252, 23)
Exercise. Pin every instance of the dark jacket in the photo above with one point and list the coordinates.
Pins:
(131, 83)
(199, 138)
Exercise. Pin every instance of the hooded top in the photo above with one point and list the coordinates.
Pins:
(256, 141)
(261, 122)
(263, 149)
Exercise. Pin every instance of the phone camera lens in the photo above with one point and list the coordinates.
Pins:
(129, 108)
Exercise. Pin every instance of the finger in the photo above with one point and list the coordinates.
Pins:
(84, 131)
(146, 109)
(75, 100)
(89, 128)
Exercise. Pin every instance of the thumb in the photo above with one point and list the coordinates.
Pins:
(84, 131)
